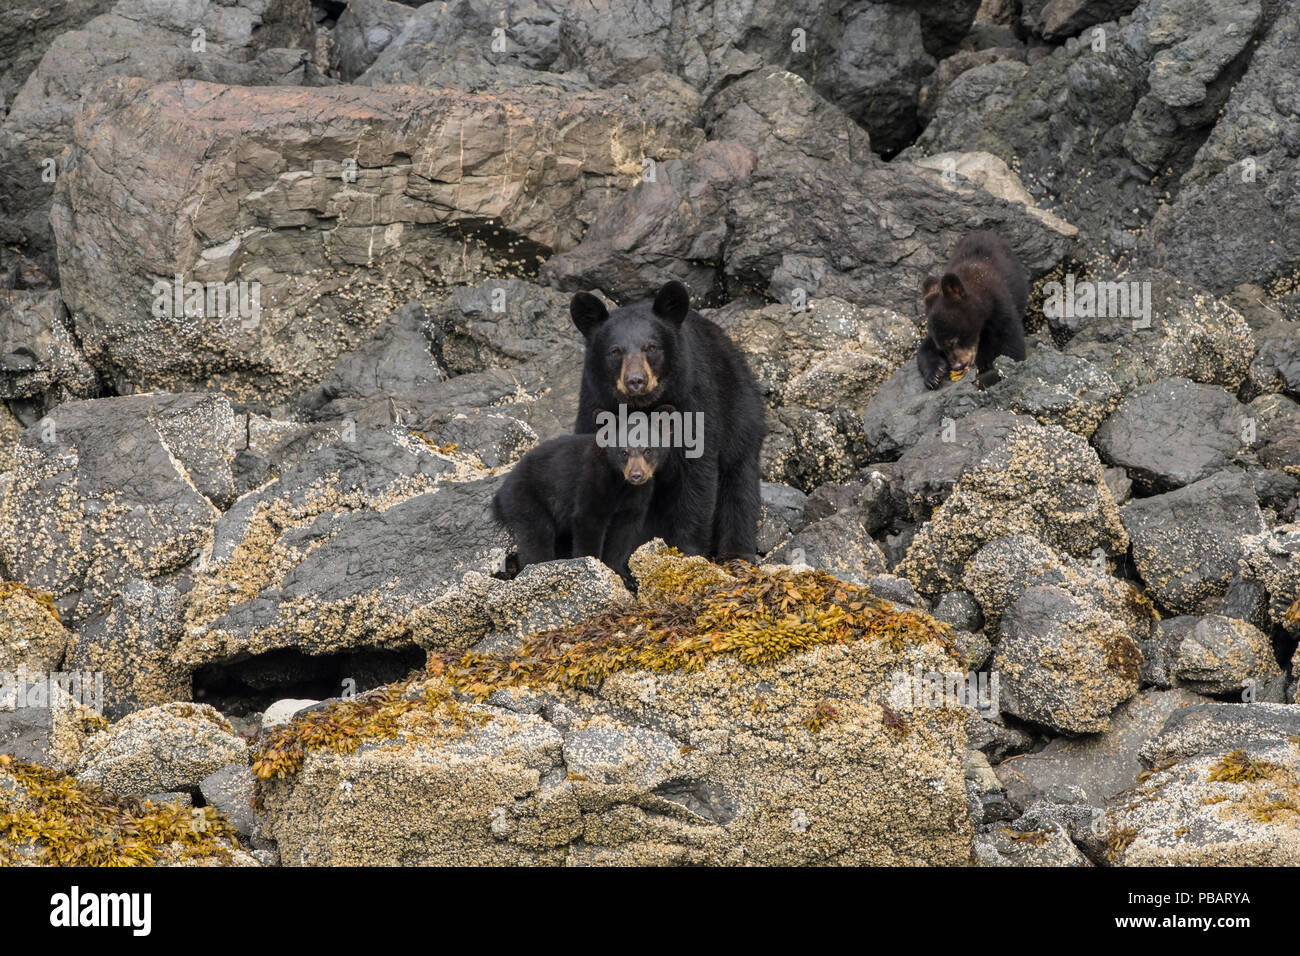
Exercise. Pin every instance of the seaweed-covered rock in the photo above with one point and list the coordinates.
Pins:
(591, 753)
(1042, 481)
(1233, 808)
(171, 747)
(1186, 543)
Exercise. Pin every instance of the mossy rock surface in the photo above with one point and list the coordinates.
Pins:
(728, 716)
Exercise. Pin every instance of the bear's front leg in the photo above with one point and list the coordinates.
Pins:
(932, 363)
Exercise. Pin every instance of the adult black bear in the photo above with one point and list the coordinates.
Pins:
(569, 497)
(660, 350)
(976, 311)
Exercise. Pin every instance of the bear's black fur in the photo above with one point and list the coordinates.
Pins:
(660, 350)
(569, 498)
(976, 311)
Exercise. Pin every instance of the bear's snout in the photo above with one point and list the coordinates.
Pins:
(636, 377)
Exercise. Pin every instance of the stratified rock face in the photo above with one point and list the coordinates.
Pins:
(1042, 481)
(245, 42)
(1186, 543)
(787, 759)
(331, 225)
(108, 490)
(1225, 808)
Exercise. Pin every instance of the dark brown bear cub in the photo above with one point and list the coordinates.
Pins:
(570, 498)
(976, 311)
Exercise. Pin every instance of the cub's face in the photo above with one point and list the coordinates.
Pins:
(948, 317)
(637, 465)
(633, 346)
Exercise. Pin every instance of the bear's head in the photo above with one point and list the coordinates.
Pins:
(636, 350)
(640, 460)
(955, 318)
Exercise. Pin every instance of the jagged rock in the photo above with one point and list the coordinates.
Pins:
(1186, 543)
(363, 30)
(230, 792)
(40, 361)
(495, 440)
(172, 747)
(500, 323)
(47, 722)
(1172, 433)
(1049, 846)
(995, 177)
(870, 497)
(1271, 559)
(1055, 389)
(28, 28)
(1182, 817)
(838, 544)
(339, 552)
(108, 490)
(1245, 161)
(1001, 571)
(1214, 728)
(133, 646)
(32, 637)
(1212, 655)
(1191, 335)
(1104, 132)
(1102, 766)
(480, 608)
(903, 410)
(707, 766)
(1058, 19)
(929, 469)
(1064, 664)
(415, 189)
(780, 513)
(1042, 481)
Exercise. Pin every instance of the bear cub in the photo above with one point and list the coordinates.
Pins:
(975, 312)
(571, 498)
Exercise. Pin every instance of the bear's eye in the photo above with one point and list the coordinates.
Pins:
(616, 350)
(651, 349)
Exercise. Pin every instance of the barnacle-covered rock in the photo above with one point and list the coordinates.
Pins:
(725, 717)
(1042, 481)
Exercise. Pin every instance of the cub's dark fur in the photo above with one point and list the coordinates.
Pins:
(975, 312)
(569, 498)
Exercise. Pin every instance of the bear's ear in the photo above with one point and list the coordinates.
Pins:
(928, 285)
(673, 302)
(587, 312)
(952, 286)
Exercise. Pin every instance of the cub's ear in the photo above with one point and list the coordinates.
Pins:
(929, 285)
(673, 302)
(952, 286)
(587, 312)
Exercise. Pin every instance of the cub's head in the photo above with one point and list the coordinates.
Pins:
(635, 347)
(647, 451)
(954, 319)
